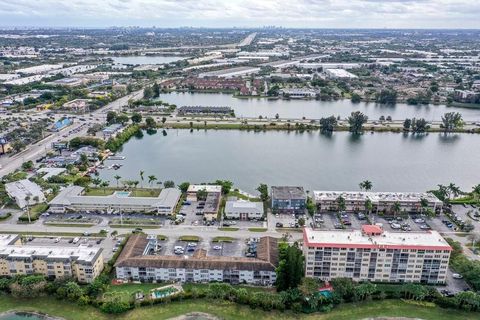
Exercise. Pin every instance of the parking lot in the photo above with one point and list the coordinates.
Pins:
(283, 220)
(192, 211)
(468, 213)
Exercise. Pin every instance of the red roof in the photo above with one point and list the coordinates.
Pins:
(371, 229)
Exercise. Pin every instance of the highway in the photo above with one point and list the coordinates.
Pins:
(32, 152)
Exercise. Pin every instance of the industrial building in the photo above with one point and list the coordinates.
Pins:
(81, 262)
(376, 255)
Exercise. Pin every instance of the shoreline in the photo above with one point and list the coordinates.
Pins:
(38, 314)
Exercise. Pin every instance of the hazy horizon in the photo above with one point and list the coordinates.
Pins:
(315, 14)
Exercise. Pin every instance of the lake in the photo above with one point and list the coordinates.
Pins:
(313, 109)
(141, 60)
(392, 161)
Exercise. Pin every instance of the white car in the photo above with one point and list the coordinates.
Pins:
(217, 248)
(457, 276)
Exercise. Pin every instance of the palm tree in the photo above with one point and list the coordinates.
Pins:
(368, 206)
(341, 203)
(366, 185)
(396, 208)
(27, 199)
(151, 179)
(423, 204)
(443, 192)
(104, 185)
(476, 191)
(454, 189)
(117, 177)
(135, 183)
(141, 177)
(96, 182)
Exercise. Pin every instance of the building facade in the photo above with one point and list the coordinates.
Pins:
(288, 200)
(355, 201)
(243, 210)
(81, 262)
(376, 255)
(73, 199)
(138, 262)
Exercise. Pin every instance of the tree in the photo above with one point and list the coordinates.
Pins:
(263, 189)
(122, 118)
(27, 200)
(356, 98)
(290, 268)
(184, 186)
(96, 182)
(148, 93)
(150, 122)
(226, 185)
(368, 206)
(117, 178)
(419, 125)
(407, 124)
(111, 117)
(365, 185)
(327, 125)
(356, 120)
(387, 96)
(156, 90)
(169, 184)
(104, 185)
(451, 121)
(476, 191)
(73, 291)
(301, 222)
(141, 177)
(365, 290)
(202, 194)
(151, 179)
(423, 204)
(136, 118)
(454, 190)
(277, 116)
(27, 166)
(396, 207)
(341, 203)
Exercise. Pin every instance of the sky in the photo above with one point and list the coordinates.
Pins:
(449, 14)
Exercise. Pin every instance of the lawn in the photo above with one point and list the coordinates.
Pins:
(223, 239)
(189, 238)
(257, 229)
(231, 311)
(237, 194)
(134, 193)
(228, 229)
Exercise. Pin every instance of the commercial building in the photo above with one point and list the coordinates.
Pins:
(376, 255)
(298, 93)
(288, 200)
(243, 210)
(381, 201)
(77, 105)
(194, 188)
(81, 262)
(229, 73)
(139, 262)
(72, 198)
(25, 192)
(339, 74)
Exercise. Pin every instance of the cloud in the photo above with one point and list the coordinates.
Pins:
(249, 13)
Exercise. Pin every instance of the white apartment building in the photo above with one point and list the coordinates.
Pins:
(138, 262)
(381, 201)
(243, 210)
(376, 255)
(25, 192)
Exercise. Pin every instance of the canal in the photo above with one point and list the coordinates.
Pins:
(313, 109)
(392, 161)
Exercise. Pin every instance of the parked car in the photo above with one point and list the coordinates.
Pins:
(457, 276)
(279, 225)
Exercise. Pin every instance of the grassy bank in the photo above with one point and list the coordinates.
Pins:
(230, 311)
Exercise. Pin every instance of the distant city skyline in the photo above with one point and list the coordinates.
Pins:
(392, 14)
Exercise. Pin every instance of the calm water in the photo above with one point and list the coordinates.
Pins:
(138, 60)
(314, 109)
(393, 162)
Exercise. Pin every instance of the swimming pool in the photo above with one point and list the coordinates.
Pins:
(122, 194)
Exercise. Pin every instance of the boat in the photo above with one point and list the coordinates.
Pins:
(116, 158)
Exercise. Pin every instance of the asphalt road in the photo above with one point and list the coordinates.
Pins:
(32, 152)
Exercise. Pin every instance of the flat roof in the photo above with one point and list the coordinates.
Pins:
(208, 187)
(81, 253)
(426, 240)
(374, 196)
(286, 192)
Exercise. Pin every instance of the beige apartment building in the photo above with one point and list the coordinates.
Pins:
(376, 255)
(80, 262)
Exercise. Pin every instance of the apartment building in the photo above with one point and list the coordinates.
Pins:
(80, 262)
(139, 262)
(243, 209)
(381, 201)
(73, 198)
(288, 200)
(376, 255)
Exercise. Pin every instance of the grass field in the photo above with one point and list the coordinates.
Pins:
(229, 311)
(134, 193)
